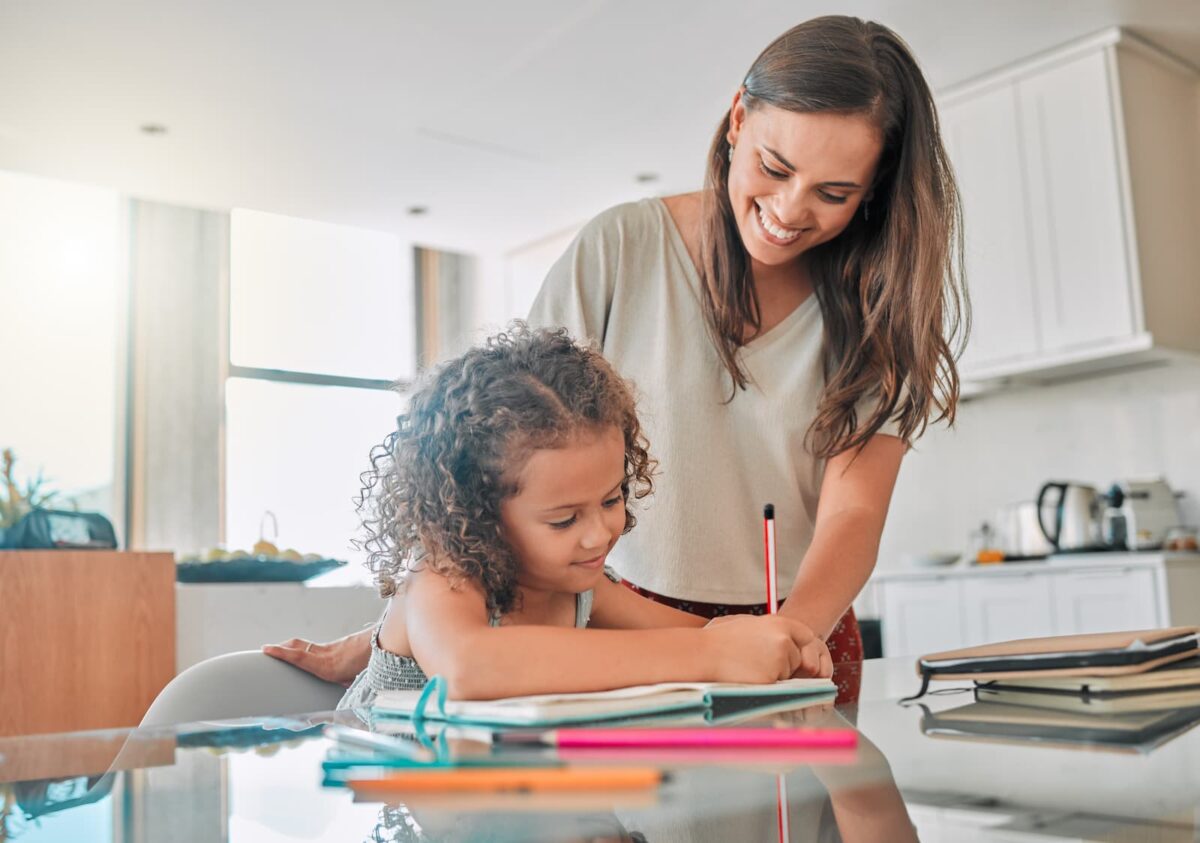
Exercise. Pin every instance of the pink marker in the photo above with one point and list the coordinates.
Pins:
(752, 738)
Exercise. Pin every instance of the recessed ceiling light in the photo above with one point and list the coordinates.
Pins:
(646, 178)
(154, 129)
(417, 210)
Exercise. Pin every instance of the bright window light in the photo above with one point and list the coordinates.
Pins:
(297, 451)
(313, 297)
(59, 306)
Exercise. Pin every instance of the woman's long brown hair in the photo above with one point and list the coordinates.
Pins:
(891, 285)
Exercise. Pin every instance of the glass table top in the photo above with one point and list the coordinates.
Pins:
(945, 769)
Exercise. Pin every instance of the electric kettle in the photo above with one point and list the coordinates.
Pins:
(1076, 516)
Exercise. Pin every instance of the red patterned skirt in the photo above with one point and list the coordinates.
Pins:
(845, 642)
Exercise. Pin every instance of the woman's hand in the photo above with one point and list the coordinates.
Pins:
(338, 661)
(766, 649)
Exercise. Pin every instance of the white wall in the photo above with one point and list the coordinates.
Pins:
(1095, 430)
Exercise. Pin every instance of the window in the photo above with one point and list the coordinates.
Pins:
(60, 302)
(321, 326)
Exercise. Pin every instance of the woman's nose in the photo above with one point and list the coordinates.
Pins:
(796, 210)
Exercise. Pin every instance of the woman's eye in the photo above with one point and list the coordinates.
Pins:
(833, 198)
(775, 174)
(562, 525)
(611, 502)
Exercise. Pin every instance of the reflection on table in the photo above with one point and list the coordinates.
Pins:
(261, 780)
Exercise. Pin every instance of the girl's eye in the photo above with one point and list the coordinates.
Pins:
(775, 174)
(562, 525)
(832, 198)
(611, 502)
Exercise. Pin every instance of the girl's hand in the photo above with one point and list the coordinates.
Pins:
(766, 649)
(814, 654)
(338, 661)
(815, 660)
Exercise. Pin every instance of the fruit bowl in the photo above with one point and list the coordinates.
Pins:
(257, 568)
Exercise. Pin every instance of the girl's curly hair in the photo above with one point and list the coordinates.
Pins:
(433, 492)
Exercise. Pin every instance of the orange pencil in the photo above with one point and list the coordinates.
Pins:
(512, 779)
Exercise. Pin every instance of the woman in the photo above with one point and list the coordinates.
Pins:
(787, 327)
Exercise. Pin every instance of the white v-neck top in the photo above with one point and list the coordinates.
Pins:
(628, 284)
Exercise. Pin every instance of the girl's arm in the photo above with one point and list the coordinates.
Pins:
(449, 635)
(855, 495)
(616, 607)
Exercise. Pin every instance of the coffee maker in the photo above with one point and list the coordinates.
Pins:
(1139, 513)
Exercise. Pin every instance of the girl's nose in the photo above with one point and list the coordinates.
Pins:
(596, 533)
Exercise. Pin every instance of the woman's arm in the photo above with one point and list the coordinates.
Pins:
(449, 635)
(855, 495)
(338, 661)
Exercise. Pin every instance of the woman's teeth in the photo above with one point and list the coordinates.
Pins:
(774, 230)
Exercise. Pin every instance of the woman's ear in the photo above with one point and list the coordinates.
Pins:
(737, 116)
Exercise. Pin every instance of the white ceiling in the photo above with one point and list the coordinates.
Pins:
(508, 120)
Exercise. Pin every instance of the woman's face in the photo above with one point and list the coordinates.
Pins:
(796, 180)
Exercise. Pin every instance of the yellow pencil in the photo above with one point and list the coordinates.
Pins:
(512, 779)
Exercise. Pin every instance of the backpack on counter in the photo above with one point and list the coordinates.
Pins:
(52, 529)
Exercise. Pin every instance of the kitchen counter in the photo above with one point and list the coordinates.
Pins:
(926, 610)
(1059, 562)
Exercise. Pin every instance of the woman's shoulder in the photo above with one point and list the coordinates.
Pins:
(626, 225)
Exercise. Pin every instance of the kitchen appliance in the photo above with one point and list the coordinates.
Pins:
(1071, 516)
(1018, 533)
(1140, 513)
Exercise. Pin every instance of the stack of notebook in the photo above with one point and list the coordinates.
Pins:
(1124, 690)
(1172, 686)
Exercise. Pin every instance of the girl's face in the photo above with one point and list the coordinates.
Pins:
(796, 180)
(568, 512)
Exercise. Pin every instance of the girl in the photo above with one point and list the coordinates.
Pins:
(490, 514)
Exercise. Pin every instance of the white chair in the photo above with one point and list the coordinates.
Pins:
(243, 684)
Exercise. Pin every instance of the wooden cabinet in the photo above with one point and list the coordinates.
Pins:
(925, 612)
(1076, 232)
(87, 638)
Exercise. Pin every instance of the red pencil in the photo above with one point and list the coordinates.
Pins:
(769, 554)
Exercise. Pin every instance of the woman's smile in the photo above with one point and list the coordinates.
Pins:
(773, 232)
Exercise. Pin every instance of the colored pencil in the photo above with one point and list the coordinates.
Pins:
(520, 779)
(748, 738)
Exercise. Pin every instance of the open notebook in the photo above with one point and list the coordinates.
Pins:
(707, 699)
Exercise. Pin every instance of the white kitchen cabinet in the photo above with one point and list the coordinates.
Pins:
(983, 137)
(1082, 271)
(1105, 599)
(922, 616)
(925, 612)
(1078, 172)
(998, 609)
